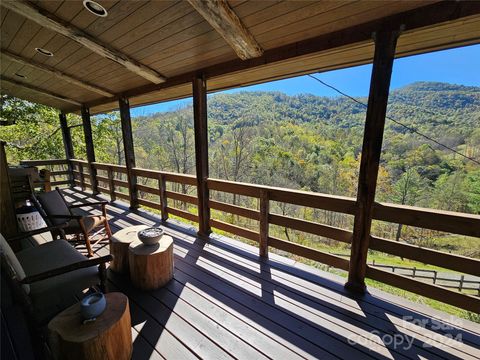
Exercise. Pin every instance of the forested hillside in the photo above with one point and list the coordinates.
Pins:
(301, 142)
(314, 143)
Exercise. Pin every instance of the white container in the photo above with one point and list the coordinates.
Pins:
(30, 221)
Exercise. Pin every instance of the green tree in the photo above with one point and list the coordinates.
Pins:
(407, 191)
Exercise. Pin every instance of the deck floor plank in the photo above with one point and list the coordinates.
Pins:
(324, 279)
(327, 303)
(335, 317)
(159, 338)
(377, 323)
(194, 340)
(225, 302)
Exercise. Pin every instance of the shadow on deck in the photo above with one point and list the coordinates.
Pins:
(226, 302)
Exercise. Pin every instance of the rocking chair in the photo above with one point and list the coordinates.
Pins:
(56, 210)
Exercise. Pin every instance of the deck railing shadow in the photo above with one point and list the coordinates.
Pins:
(367, 322)
(198, 265)
(369, 303)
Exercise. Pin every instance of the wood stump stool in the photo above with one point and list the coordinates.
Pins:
(121, 240)
(108, 337)
(151, 266)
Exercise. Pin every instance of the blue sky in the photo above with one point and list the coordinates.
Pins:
(458, 66)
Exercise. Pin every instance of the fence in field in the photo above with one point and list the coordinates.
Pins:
(459, 282)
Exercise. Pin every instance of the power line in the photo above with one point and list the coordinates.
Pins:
(396, 121)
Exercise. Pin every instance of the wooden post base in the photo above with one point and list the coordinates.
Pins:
(108, 337)
(355, 287)
(151, 267)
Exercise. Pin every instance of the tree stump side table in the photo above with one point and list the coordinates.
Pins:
(108, 337)
(121, 240)
(151, 266)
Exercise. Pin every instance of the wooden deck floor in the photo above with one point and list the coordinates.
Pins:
(224, 302)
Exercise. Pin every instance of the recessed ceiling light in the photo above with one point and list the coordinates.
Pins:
(44, 51)
(95, 8)
(20, 76)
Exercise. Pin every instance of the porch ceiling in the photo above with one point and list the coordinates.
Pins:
(174, 41)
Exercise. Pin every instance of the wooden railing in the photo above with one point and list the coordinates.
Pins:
(458, 223)
(161, 190)
(58, 170)
(111, 179)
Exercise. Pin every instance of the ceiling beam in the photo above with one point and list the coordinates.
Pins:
(39, 90)
(52, 71)
(222, 18)
(409, 20)
(52, 22)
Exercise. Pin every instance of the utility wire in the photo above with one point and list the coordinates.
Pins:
(396, 121)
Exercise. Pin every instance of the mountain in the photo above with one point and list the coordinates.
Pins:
(421, 98)
(446, 112)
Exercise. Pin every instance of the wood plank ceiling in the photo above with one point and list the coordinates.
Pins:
(173, 39)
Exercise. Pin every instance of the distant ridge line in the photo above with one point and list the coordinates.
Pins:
(396, 121)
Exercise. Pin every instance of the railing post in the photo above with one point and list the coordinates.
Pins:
(47, 180)
(201, 153)
(385, 43)
(67, 143)
(162, 186)
(129, 150)
(82, 177)
(87, 130)
(111, 184)
(264, 226)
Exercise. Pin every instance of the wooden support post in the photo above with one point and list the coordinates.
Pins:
(111, 184)
(8, 221)
(67, 143)
(201, 153)
(162, 186)
(129, 150)
(264, 227)
(385, 43)
(87, 130)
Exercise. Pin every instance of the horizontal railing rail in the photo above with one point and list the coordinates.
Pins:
(427, 256)
(457, 223)
(44, 162)
(169, 176)
(58, 171)
(111, 179)
(166, 208)
(440, 220)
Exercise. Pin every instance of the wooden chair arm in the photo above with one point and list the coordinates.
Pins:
(66, 269)
(70, 217)
(103, 203)
(36, 232)
(89, 216)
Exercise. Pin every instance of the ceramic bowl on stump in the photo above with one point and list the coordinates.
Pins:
(92, 306)
(150, 236)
